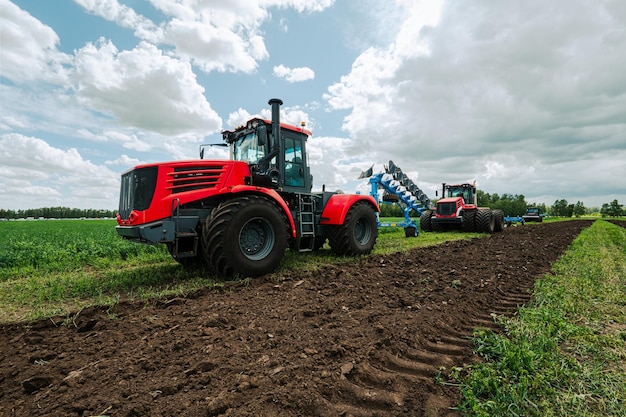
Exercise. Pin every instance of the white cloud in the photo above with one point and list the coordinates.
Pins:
(26, 152)
(306, 6)
(124, 160)
(294, 75)
(519, 87)
(238, 118)
(333, 165)
(40, 174)
(213, 35)
(29, 48)
(144, 89)
(126, 17)
(212, 47)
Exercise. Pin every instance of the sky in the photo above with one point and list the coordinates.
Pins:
(522, 97)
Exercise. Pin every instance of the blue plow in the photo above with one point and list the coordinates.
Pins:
(401, 190)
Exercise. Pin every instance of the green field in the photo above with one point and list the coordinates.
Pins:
(563, 354)
(54, 267)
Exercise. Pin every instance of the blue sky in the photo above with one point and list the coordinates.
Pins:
(525, 99)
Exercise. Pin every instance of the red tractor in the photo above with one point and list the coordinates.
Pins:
(240, 215)
(458, 209)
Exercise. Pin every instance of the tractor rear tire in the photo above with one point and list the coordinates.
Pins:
(498, 217)
(425, 224)
(245, 236)
(357, 235)
(485, 221)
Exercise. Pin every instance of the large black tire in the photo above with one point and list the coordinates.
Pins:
(357, 235)
(245, 236)
(484, 221)
(498, 218)
(435, 226)
(425, 224)
(469, 221)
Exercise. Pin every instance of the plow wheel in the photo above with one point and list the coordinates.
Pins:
(245, 236)
(410, 231)
(484, 221)
(357, 235)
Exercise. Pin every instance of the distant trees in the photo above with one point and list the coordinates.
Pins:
(579, 209)
(612, 209)
(56, 213)
(561, 208)
(391, 210)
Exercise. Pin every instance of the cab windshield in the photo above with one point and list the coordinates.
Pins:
(247, 149)
(460, 192)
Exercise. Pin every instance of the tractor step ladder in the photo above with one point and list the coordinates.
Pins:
(306, 240)
(177, 251)
(187, 251)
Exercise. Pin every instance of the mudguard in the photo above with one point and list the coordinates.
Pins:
(338, 205)
(268, 192)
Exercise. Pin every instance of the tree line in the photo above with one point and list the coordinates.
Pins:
(56, 213)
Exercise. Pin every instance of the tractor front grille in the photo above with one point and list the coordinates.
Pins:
(137, 190)
(446, 209)
(189, 178)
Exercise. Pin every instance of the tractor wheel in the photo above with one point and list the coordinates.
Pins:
(245, 236)
(484, 221)
(410, 231)
(425, 224)
(357, 235)
(435, 225)
(498, 218)
(469, 221)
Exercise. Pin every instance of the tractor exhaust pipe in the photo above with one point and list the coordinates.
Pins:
(276, 142)
(275, 103)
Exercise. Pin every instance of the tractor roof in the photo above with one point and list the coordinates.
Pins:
(250, 122)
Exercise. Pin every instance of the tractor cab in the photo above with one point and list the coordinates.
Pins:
(281, 164)
(465, 191)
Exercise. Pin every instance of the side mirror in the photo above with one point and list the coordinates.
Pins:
(261, 132)
(202, 152)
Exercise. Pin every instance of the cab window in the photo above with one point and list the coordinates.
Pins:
(294, 163)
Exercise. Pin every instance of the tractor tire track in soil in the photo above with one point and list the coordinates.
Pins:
(365, 339)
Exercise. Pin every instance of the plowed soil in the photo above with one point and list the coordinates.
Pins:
(371, 339)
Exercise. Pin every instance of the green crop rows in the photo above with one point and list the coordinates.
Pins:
(50, 247)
